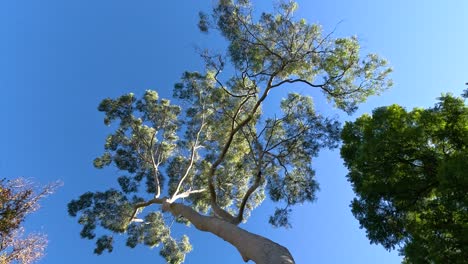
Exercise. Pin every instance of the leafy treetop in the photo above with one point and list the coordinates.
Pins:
(408, 169)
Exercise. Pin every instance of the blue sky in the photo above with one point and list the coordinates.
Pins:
(59, 59)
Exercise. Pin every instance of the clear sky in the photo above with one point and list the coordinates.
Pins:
(59, 59)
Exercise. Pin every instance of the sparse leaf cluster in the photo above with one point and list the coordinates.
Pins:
(18, 198)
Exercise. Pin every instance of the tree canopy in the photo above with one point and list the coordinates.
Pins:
(409, 172)
(212, 154)
(18, 198)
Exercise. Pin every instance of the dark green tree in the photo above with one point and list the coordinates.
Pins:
(212, 158)
(409, 170)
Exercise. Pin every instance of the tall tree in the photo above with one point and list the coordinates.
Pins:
(211, 159)
(409, 172)
(18, 198)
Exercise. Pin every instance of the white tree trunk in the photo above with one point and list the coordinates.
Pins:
(251, 246)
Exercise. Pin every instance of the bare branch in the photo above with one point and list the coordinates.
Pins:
(192, 159)
(186, 194)
(155, 167)
(298, 80)
(145, 204)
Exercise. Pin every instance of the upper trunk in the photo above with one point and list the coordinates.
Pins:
(251, 246)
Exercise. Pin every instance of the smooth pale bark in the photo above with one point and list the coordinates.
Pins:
(251, 246)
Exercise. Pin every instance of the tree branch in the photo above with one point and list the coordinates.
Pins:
(253, 35)
(240, 214)
(218, 210)
(145, 204)
(185, 194)
(155, 167)
(192, 159)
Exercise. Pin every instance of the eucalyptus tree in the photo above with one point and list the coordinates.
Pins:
(409, 172)
(212, 157)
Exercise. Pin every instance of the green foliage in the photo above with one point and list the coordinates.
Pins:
(216, 151)
(408, 170)
(280, 218)
(104, 243)
(153, 232)
(174, 252)
(294, 50)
